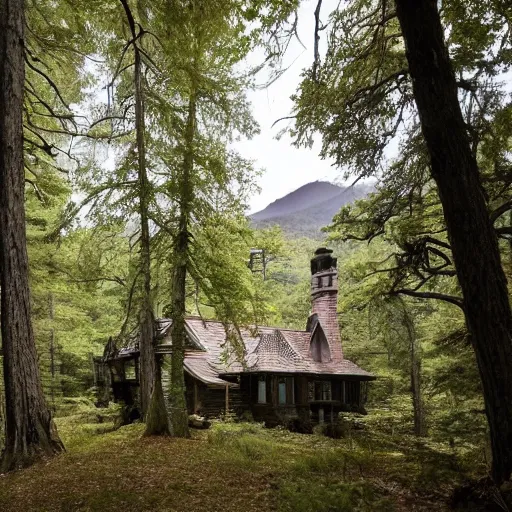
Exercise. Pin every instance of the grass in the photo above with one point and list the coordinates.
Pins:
(231, 467)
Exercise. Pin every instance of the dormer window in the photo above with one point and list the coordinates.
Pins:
(319, 348)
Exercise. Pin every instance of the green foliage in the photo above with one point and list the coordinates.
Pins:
(83, 228)
(304, 496)
(72, 309)
(358, 96)
(286, 288)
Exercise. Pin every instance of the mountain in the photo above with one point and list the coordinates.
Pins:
(306, 210)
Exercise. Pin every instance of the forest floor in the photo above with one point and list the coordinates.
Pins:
(230, 468)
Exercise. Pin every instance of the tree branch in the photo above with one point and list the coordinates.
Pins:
(457, 301)
(498, 212)
(316, 58)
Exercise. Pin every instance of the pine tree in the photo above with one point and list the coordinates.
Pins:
(30, 432)
(472, 238)
(387, 75)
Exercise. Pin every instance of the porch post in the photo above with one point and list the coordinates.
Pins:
(227, 399)
(195, 396)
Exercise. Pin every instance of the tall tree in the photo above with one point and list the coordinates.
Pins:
(149, 380)
(393, 321)
(366, 91)
(470, 230)
(201, 104)
(179, 416)
(30, 432)
(197, 182)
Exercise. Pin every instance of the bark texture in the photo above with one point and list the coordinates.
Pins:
(157, 420)
(420, 428)
(149, 375)
(179, 415)
(470, 230)
(30, 432)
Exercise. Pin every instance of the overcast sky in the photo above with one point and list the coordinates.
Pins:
(286, 168)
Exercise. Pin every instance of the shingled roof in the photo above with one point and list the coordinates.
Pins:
(267, 350)
(316, 350)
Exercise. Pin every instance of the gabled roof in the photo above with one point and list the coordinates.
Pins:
(274, 354)
(266, 350)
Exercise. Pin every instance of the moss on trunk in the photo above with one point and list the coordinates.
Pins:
(157, 420)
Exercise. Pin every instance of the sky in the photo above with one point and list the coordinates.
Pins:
(286, 167)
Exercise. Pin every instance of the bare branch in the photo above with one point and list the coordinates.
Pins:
(457, 301)
(316, 59)
(282, 119)
(52, 84)
(505, 207)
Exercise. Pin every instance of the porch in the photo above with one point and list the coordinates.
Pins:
(279, 398)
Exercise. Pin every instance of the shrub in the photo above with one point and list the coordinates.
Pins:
(300, 426)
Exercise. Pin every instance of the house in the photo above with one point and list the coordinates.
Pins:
(285, 374)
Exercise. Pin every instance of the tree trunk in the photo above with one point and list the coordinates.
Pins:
(157, 420)
(179, 416)
(470, 230)
(52, 351)
(30, 432)
(415, 375)
(149, 376)
(417, 399)
(148, 372)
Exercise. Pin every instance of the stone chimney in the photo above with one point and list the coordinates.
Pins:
(324, 299)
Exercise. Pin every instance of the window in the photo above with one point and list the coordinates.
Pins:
(323, 390)
(285, 391)
(282, 391)
(290, 386)
(129, 370)
(262, 390)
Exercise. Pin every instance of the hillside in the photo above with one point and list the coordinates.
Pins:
(306, 210)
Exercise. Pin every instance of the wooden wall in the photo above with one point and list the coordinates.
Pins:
(210, 401)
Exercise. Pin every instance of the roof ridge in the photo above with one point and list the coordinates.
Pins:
(213, 320)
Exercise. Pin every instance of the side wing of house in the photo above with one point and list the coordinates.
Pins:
(207, 394)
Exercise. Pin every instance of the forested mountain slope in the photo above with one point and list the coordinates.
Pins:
(308, 209)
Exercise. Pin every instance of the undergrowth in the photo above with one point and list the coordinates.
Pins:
(315, 473)
(232, 467)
